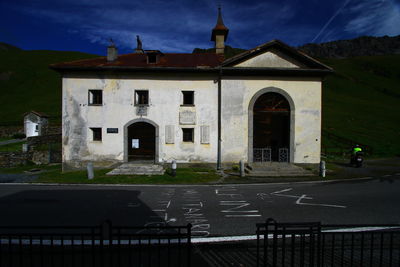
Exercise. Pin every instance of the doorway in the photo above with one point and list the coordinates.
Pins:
(141, 142)
(271, 128)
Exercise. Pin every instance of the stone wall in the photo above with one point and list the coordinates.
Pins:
(46, 157)
(6, 131)
(13, 159)
(44, 139)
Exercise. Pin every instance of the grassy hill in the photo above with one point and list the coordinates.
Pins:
(26, 83)
(361, 101)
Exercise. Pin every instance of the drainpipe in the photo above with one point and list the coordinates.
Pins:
(219, 120)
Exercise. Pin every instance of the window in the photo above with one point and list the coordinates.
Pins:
(96, 134)
(95, 97)
(188, 97)
(188, 134)
(141, 97)
(152, 58)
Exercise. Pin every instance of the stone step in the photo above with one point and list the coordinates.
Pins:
(137, 169)
(276, 169)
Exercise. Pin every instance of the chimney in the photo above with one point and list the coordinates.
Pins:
(219, 34)
(112, 52)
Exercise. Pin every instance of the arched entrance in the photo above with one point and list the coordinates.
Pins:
(270, 138)
(141, 141)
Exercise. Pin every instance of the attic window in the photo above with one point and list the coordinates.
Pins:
(152, 58)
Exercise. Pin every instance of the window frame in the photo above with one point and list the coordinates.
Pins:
(184, 135)
(91, 91)
(136, 97)
(183, 98)
(94, 132)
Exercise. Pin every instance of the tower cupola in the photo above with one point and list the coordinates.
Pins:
(219, 34)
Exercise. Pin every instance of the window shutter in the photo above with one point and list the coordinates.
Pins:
(169, 134)
(205, 134)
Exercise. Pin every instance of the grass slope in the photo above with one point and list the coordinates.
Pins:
(26, 83)
(361, 101)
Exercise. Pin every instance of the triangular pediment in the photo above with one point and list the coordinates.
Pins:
(274, 54)
(270, 59)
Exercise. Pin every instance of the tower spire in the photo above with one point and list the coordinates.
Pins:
(219, 33)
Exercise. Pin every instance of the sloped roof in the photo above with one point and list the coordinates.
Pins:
(139, 60)
(308, 61)
(39, 114)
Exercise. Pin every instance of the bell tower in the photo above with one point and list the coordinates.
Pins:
(219, 34)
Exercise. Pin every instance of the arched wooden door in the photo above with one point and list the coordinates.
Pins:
(271, 128)
(141, 141)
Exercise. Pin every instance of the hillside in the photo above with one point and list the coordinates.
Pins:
(361, 46)
(360, 100)
(26, 83)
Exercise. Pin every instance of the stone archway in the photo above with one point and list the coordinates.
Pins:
(271, 126)
(141, 141)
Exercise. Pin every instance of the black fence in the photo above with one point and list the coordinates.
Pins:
(103, 245)
(313, 244)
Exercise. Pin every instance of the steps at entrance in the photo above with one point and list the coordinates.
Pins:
(137, 169)
(276, 169)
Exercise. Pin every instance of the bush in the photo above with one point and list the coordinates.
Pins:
(19, 136)
(235, 167)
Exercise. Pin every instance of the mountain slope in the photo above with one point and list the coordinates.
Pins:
(361, 46)
(361, 101)
(26, 83)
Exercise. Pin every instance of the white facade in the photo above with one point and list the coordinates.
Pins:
(35, 124)
(241, 81)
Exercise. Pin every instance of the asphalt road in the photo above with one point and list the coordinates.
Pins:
(220, 210)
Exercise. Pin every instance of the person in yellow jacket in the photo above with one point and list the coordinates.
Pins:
(356, 149)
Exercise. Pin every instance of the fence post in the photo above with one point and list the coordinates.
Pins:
(189, 244)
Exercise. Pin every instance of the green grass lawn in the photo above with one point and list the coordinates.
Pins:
(184, 176)
(12, 147)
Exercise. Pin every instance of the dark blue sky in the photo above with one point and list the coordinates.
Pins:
(180, 26)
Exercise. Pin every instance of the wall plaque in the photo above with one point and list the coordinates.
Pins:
(112, 130)
(187, 117)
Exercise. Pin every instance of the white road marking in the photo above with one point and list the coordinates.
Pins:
(281, 191)
(196, 240)
(298, 202)
(387, 175)
(244, 215)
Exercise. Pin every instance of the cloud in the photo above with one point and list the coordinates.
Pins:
(374, 17)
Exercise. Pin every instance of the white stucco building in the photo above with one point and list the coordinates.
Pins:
(261, 105)
(35, 123)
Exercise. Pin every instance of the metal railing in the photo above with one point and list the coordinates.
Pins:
(104, 245)
(313, 244)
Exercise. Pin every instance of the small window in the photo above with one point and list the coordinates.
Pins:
(188, 134)
(141, 97)
(188, 97)
(95, 97)
(96, 134)
(152, 58)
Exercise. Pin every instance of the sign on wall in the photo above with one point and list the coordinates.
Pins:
(135, 143)
(112, 130)
(187, 117)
